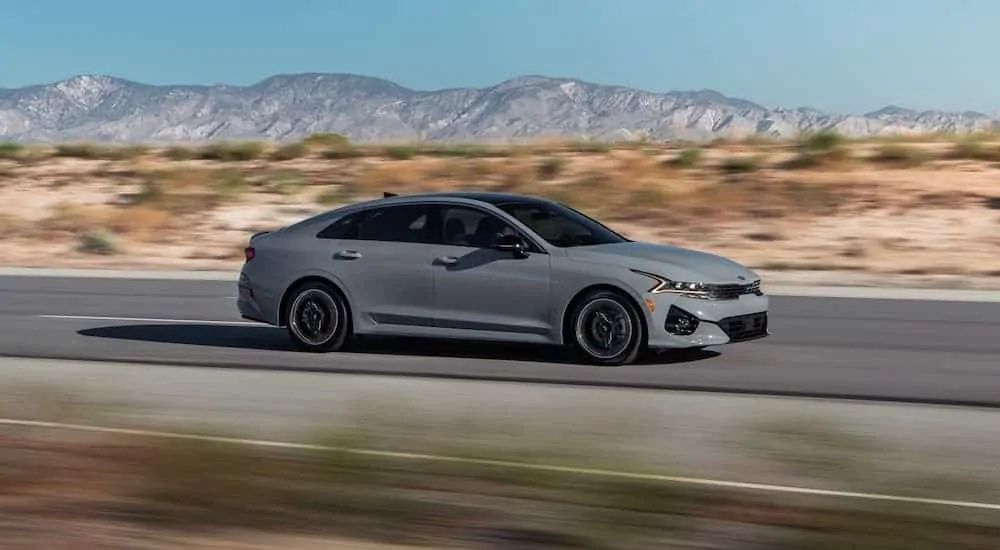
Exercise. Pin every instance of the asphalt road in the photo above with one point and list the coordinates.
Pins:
(920, 351)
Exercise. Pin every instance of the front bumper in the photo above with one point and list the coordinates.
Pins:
(718, 321)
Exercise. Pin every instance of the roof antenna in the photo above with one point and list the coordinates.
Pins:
(386, 195)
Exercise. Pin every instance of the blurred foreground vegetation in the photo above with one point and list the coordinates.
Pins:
(68, 484)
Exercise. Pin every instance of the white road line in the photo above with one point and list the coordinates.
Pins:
(149, 320)
(506, 464)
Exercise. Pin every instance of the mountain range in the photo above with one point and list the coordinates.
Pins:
(366, 109)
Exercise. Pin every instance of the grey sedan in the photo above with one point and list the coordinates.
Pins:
(492, 267)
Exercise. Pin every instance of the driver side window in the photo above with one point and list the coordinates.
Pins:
(463, 226)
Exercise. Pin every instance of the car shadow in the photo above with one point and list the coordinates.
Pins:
(266, 338)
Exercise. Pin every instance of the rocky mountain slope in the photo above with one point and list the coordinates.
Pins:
(103, 108)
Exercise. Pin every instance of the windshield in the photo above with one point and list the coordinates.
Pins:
(561, 225)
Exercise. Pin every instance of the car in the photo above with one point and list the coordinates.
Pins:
(492, 266)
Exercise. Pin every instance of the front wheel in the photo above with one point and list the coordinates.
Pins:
(318, 319)
(606, 329)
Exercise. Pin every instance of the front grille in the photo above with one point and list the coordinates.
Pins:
(732, 292)
(745, 327)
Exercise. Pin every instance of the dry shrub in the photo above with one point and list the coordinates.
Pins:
(761, 199)
(550, 168)
(346, 152)
(290, 151)
(517, 176)
(392, 176)
(179, 153)
(99, 241)
(593, 192)
(899, 156)
(139, 221)
(326, 140)
(741, 164)
(12, 226)
(401, 152)
(189, 190)
(819, 150)
(11, 150)
(285, 182)
(634, 168)
(648, 200)
(688, 158)
(333, 196)
(76, 218)
(446, 169)
(972, 149)
(232, 151)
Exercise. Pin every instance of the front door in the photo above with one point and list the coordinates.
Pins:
(486, 292)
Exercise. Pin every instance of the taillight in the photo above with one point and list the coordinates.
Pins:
(249, 253)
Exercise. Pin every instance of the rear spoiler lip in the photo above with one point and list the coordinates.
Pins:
(258, 234)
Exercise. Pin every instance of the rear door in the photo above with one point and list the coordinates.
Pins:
(383, 256)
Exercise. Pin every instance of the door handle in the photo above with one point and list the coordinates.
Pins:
(347, 255)
(446, 260)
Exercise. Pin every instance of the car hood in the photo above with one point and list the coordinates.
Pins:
(681, 264)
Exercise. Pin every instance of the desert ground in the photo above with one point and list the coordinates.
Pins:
(823, 209)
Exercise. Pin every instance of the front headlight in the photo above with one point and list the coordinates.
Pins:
(663, 285)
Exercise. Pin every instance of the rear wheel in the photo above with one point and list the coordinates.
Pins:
(318, 319)
(606, 329)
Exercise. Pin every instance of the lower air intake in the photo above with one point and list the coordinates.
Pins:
(745, 327)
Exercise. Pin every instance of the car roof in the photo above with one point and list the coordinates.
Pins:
(490, 197)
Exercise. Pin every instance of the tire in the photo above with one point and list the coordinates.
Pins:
(318, 319)
(588, 329)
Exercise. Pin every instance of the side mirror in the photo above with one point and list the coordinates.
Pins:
(510, 243)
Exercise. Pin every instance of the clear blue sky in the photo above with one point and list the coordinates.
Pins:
(846, 55)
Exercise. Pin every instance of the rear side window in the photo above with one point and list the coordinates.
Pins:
(404, 223)
(344, 228)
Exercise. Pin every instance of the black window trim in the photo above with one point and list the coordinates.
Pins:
(507, 219)
(593, 220)
(436, 238)
(368, 211)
